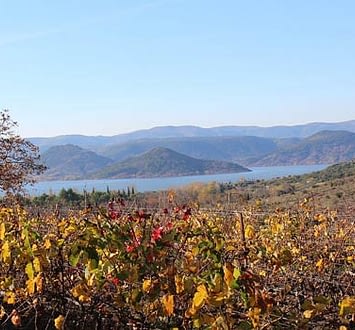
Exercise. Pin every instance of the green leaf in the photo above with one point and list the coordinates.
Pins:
(93, 256)
(74, 258)
(307, 305)
(236, 273)
(26, 242)
(123, 276)
(322, 300)
(244, 325)
(219, 244)
(244, 297)
(234, 284)
(136, 295)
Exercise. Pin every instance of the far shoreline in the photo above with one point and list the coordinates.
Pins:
(166, 183)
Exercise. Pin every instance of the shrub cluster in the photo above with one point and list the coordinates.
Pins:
(177, 268)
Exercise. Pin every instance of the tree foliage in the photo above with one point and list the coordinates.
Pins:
(19, 158)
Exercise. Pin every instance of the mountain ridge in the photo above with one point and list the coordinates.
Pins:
(71, 162)
(325, 147)
(234, 149)
(328, 147)
(164, 162)
(280, 131)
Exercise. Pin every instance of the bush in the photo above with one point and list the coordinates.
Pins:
(117, 268)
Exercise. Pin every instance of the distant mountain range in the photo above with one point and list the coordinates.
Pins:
(234, 149)
(152, 156)
(163, 132)
(79, 163)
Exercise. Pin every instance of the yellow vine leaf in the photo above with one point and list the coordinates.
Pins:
(48, 239)
(341, 233)
(217, 299)
(218, 283)
(34, 248)
(196, 324)
(69, 230)
(190, 312)
(147, 285)
(84, 298)
(30, 285)
(91, 280)
(320, 264)
(10, 298)
(47, 244)
(195, 251)
(320, 217)
(2, 231)
(59, 322)
(276, 228)
(254, 315)
(230, 248)
(228, 274)
(309, 313)
(6, 252)
(2, 312)
(80, 292)
(249, 232)
(39, 282)
(29, 271)
(347, 306)
(168, 303)
(200, 296)
(193, 269)
(36, 265)
(179, 284)
(263, 273)
(220, 324)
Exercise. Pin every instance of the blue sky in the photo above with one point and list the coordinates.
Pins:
(108, 67)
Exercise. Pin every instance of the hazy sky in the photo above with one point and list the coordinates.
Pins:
(112, 66)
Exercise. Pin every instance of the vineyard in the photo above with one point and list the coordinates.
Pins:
(178, 267)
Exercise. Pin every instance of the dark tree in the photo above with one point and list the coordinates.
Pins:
(19, 158)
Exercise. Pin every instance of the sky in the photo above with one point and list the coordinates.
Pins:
(114, 66)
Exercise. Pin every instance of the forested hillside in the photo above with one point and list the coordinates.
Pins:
(162, 162)
(73, 162)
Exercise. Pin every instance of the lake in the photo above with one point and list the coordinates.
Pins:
(156, 184)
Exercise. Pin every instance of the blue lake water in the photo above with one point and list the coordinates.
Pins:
(156, 184)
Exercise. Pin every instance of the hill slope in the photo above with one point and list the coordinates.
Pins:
(326, 147)
(234, 149)
(163, 162)
(72, 162)
(67, 162)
